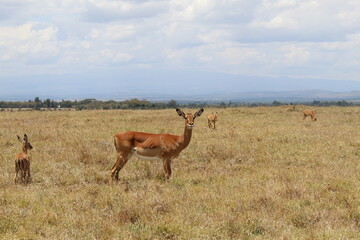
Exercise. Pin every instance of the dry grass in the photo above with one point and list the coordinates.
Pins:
(263, 174)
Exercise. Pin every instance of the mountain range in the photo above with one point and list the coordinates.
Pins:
(178, 85)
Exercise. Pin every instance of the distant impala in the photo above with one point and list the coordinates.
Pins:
(162, 146)
(22, 161)
(212, 118)
(309, 113)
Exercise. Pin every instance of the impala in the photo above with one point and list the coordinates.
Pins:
(161, 146)
(309, 113)
(22, 161)
(212, 118)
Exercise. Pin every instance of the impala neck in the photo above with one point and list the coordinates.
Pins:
(24, 149)
(186, 137)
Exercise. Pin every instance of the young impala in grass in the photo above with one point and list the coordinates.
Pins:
(162, 146)
(22, 161)
(212, 118)
(309, 113)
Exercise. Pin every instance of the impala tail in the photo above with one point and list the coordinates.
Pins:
(116, 143)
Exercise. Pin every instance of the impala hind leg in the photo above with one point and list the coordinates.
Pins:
(16, 178)
(121, 160)
(16, 171)
(28, 175)
(22, 175)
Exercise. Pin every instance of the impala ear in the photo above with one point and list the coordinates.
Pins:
(19, 138)
(25, 138)
(181, 113)
(198, 113)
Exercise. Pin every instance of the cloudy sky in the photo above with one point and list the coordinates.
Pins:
(112, 45)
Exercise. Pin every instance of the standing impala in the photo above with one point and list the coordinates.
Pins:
(22, 161)
(212, 118)
(161, 146)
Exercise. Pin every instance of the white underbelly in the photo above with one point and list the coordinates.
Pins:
(145, 157)
(147, 153)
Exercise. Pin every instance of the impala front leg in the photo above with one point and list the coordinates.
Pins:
(167, 168)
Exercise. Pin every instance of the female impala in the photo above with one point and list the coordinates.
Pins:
(22, 161)
(152, 146)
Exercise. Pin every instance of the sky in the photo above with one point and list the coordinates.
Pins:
(74, 48)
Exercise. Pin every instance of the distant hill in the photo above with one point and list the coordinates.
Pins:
(160, 85)
(266, 97)
(288, 96)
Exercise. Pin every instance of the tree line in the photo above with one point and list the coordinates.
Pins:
(90, 104)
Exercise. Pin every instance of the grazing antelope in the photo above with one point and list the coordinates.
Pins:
(212, 118)
(309, 113)
(22, 161)
(146, 146)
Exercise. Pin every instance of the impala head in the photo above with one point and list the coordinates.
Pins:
(189, 118)
(25, 144)
(216, 116)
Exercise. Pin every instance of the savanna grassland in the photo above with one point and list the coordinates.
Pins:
(264, 173)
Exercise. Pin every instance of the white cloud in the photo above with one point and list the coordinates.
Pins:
(282, 22)
(27, 41)
(242, 56)
(191, 9)
(295, 55)
(115, 56)
(114, 32)
(273, 37)
(18, 33)
(109, 11)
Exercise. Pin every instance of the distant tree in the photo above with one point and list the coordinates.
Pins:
(172, 104)
(316, 103)
(222, 105)
(38, 106)
(66, 104)
(343, 103)
(37, 100)
(47, 103)
(276, 103)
